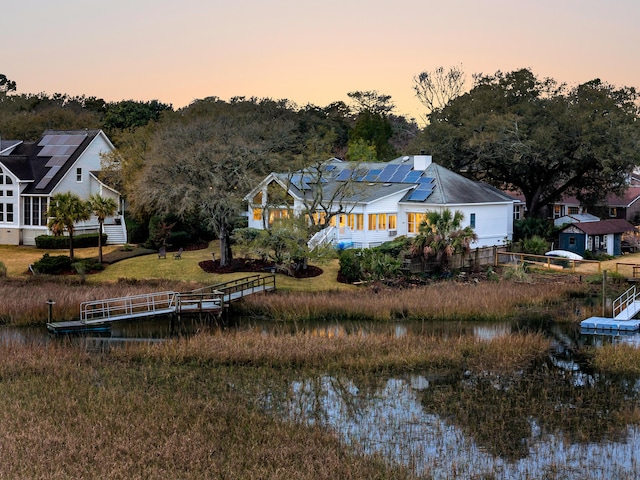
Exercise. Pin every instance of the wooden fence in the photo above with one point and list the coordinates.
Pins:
(476, 258)
(499, 256)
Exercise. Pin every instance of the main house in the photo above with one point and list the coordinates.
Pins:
(32, 172)
(364, 205)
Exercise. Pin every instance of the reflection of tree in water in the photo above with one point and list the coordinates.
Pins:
(502, 413)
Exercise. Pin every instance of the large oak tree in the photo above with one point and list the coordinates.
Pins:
(537, 136)
(203, 160)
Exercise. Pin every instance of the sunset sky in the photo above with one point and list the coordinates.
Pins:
(308, 52)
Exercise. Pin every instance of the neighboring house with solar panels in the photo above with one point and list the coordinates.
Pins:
(32, 172)
(369, 204)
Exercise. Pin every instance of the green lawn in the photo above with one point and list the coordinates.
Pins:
(149, 266)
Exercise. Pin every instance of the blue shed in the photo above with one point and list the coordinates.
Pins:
(604, 236)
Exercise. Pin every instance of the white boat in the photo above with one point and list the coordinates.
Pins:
(564, 254)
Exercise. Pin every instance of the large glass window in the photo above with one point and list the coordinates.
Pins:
(26, 209)
(34, 211)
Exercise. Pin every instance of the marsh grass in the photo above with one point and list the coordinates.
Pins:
(441, 301)
(616, 359)
(188, 408)
(24, 301)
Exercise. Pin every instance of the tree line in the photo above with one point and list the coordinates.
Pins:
(193, 165)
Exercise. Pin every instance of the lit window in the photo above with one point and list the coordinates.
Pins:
(257, 214)
(414, 220)
(382, 221)
(373, 221)
(359, 221)
(613, 212)
(393, 222)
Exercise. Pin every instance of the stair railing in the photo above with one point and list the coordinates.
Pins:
(624, 301)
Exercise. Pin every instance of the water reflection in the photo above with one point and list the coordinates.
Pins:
(410, 421)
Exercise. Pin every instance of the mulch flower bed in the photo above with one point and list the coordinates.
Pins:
(252, 265)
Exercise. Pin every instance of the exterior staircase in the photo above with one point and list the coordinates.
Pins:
(627, 305)
(323, 237)
(116, 234)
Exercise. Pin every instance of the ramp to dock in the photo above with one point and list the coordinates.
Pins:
(203, 300)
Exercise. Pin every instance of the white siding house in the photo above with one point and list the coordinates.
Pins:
(369, 204)
(32, 172)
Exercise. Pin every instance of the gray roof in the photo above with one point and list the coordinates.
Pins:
(45, 162)
(435, 185)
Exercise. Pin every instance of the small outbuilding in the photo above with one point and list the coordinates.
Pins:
(603, 237)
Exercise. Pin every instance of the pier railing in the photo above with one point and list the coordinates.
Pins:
(207, 299)
(237, 289)
(158, 303)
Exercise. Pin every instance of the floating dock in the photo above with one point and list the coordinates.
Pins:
(610, 324)
(75, 327)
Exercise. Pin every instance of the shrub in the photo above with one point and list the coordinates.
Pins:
(350, 267)
(52, 265)
(535, 245)
(137, 232)
(179, 239)
(395, 247)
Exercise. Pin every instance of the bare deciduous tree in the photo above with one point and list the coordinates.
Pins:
(437, 88)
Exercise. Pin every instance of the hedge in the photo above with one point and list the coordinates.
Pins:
(51, 242)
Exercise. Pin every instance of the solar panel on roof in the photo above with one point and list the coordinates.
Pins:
(49, 150)
(372, 175)
(57, 161)
(426, 180)
(62, 139)
(411, 177)
(387, 173)
(47, 178)
(419, 195)
(344, 175)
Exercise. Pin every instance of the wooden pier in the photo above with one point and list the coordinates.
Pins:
(97, 315)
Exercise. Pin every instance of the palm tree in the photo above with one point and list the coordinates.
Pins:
(441, 235)
(102, 208)
(65, 210)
